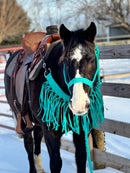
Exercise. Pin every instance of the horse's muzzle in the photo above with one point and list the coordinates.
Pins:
(79, 110)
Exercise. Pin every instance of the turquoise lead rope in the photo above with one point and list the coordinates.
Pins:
(55, 104)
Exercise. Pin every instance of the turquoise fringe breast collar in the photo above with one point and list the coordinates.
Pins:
(55, 104)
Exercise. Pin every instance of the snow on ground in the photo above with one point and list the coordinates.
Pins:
(13, 158)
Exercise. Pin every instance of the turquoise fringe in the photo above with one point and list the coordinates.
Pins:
(56, 112)
(55, 105)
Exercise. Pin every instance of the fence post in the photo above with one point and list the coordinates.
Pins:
(99, 143)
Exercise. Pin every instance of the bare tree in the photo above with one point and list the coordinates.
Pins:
(43, 13)
(102, 11)
(13, 20)
(78, 14)
(83, 8)
(114, 12)
(35, 8)
(53, 12)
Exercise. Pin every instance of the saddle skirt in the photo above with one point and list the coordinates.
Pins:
(20, 77)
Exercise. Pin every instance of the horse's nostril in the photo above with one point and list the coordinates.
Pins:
(71, 102)
(87, 105)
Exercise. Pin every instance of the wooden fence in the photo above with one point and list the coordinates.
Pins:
(111, 126)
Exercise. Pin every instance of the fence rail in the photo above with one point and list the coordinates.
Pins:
(121, 37)
(111, 160)
(6, 115)
(110, 76)
(3, 101)
(116, 89)
(115, 51)
(5, 49)
(116, 127)
(7, 127)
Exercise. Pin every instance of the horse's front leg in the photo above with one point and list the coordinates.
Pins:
(38, 134)
(53, 145)
(28, 143)
(80, 152)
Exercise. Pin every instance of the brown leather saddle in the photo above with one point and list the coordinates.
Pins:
(26, 66)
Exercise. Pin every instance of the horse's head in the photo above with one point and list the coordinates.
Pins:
(79, 63)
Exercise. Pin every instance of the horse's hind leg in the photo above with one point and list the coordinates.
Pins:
(53, 146)
(28, 143)
(38, 134)
(80, 152)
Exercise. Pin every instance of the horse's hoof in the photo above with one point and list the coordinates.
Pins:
(20, 132)
(28, 129)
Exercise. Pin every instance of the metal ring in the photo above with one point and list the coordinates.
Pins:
(47, 72)
(44, 65)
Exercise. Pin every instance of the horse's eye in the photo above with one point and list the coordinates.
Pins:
(92, 61)
(67, 61)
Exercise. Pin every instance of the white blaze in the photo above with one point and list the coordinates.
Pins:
(79, 98)
(77, 54)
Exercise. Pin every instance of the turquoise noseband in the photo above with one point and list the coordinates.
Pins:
(80, 80)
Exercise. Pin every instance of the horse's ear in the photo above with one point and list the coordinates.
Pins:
(90, 32)
(65, 34)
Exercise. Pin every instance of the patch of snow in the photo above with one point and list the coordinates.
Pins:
(13, 157)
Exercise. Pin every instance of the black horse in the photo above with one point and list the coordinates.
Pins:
(76, 52)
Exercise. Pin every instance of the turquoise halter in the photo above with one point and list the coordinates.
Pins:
(55, 104)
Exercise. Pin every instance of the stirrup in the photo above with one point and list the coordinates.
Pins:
(29, 127)
(18, 126)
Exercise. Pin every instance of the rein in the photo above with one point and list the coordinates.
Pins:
(55, 104)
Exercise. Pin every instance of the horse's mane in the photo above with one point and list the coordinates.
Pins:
(76, 38)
